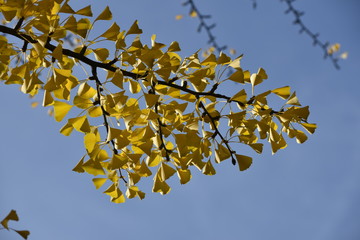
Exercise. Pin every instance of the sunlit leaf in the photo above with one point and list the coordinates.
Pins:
(283, 92)
(90, 140)
(134, 29)
(98, 182)
(310, 127)
(86, 11)
(60, 110)
(293, 100)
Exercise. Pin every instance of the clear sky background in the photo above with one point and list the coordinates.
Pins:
(307, 191)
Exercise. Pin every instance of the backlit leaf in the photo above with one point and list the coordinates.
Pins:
(208, 169)
(174, 47)
(283, 92)
(151, 99)
(244, 162)
(310, 127)
(60, 110)
(90, 141)
(98, 182)
(184, 175)
(293, 100)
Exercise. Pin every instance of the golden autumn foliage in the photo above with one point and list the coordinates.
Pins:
(144, 110)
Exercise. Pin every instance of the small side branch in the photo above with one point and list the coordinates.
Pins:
(314, 36)
(204, 25)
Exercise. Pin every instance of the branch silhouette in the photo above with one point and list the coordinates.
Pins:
(291, 9)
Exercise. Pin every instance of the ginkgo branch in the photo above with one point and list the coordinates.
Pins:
(315, 36)
(203, 24)
(67, 52)
(217, 132)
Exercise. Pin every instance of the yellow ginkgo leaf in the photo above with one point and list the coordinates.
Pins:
(241, 96)
(83, 26)
(98, 182)
(118, 79)
(23, 233)
(95, 112)
(105, 14)
(193, 13)
(117, 161)
(112, 32)
(160, 186)
(101, 54)
(184, 175)
(221, 153)
(94, 168)
(208, 169)
(166, 171)
(333, 48)
(179, 16)
(86, 11)
(134, 191)
(174, 47)
(86, 91)
(293, 100)
(90, 141)
(310, 127)
(144, 171)
(120, 199)
(134, 29)
(154, 159)
(151, 99)
(258, 147)
(81, 124)
(66, 129)
(48, 99)
(344, 55)
(65, 8)
(12, 216)
(78, 168)
(244, 162)
(237, 76)
(283, 92)
(82, 103)
(134, 86)
(60, 110)
(300, 136)
(57, 53)
(223, 59)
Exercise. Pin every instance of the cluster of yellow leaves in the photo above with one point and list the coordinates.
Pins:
(160, 117)
(12, 216)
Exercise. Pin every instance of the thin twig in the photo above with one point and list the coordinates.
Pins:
(204, 25)
(314, 36)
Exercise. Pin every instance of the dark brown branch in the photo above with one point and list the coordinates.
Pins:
(162, 146)
(19, 23)
(315, 36)
(204, 25)
(68, 52)
(217, 132)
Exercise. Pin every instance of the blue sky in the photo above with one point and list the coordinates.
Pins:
(307, 191)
